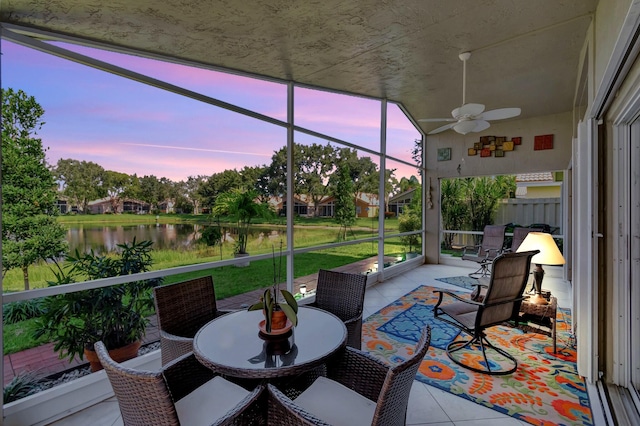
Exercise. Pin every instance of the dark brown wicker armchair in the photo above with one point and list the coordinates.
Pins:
(483, 254)
(501, 302)
(182, 309)
(182, 392)
(358, 390)
(342, 294)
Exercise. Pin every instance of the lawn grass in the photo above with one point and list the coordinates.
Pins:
(229, 280)
(18, 337)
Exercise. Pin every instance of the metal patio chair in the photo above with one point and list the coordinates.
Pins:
(500, 303)
(484, 253)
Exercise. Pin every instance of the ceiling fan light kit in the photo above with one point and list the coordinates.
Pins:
(471, 117)
(464, 127)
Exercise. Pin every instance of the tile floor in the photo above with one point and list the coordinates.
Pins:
(427, 405)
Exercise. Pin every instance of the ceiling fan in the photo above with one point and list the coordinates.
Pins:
(470, 117)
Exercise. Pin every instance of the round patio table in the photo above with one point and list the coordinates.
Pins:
(233, 344)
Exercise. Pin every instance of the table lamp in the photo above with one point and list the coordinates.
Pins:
(549, 255)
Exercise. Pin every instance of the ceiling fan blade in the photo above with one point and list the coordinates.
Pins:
(500, 114)
(467, 110)
(481, 125)
(442, 129)
(433, 120)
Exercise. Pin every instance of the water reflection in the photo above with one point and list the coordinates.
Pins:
(276, 353)
(103, 239)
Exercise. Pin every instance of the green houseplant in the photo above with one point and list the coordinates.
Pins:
(116, 315)
(277, 312)
(242, 207)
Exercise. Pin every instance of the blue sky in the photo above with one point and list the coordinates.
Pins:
(130, 127)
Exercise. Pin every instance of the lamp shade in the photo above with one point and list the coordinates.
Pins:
(549, 253)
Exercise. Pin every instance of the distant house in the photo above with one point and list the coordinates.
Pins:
(398, 202)
(539, 185)
(64, 205)
(366, 206)
(127, 205)
(167, 206)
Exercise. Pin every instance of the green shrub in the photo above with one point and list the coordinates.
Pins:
(22, 385)
(14, 312)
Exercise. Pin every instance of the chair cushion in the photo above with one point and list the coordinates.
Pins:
(209, 402)
(336, 404)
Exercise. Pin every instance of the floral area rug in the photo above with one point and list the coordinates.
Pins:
(544, 390)
(462, 281)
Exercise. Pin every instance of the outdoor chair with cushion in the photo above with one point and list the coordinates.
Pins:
(519, 234)
(182, 309)
(183, 392)
(501, 303)
(342, 294)
(358, 390)
(483, 254)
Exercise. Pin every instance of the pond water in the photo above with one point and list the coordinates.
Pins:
(104, 238)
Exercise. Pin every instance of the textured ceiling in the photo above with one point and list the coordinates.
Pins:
(525, 53)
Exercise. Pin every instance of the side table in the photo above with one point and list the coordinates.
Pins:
(539, 318)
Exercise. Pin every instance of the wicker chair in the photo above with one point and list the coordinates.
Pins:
(182, 309)
(182, 392)
(358, 390)
(500, 303)
(483, 254)
(342, 294)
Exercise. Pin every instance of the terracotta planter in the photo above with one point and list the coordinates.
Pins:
(278, 320)
(118, 355)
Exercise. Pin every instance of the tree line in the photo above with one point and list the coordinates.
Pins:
(315, 177)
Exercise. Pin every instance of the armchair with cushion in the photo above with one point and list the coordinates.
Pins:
(342, 294)
(483, 254)
(182, 392)
(501, 302)
(182, 309)
(519, 234)
(358, 390)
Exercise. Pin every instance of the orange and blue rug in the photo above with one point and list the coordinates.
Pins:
(545, 389)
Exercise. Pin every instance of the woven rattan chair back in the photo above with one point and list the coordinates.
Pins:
(183, 308)
(143, 396)
(342, 294)
(394, 396)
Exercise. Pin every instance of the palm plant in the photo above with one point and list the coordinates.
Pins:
(242, 207)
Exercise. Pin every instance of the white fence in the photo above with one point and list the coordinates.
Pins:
(519, 211)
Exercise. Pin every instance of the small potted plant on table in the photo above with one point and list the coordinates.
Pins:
(276, 313)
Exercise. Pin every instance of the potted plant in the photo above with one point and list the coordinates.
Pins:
(276, 313)
(116, 315)
(242, 207)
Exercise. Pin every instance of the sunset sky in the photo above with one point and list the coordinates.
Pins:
(130, 127)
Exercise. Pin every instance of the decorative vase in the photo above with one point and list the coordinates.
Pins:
(121, 354)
